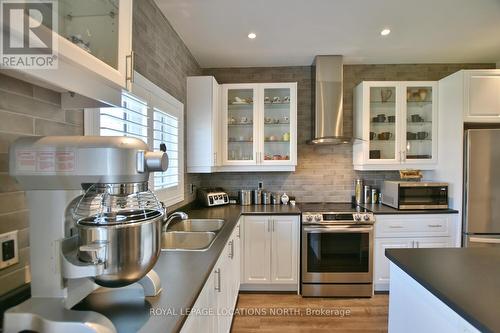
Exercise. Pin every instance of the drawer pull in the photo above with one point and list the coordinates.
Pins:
(434, 225)
(395, 227)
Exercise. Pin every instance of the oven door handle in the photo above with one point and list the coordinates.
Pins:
(338, 229)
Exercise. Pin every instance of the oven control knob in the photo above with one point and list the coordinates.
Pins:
(357, 217)
(366, 217)
(317, 218)
(309, 218)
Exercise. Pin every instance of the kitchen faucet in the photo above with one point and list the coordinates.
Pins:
(173, 216)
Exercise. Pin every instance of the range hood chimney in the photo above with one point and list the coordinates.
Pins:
(328, 91)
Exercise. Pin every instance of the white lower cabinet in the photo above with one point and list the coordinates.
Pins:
(270, 252)
(408, 231)
(213, 310)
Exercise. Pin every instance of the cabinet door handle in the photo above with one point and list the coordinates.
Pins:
(239, 231)
(218, 285)
(215, 158)
(268, 225)
(129, 76)
(416, 245)
(274, 221)
(231, 246)
(434, 225)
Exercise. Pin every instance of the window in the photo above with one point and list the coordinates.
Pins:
(152, 115)
(129, 120)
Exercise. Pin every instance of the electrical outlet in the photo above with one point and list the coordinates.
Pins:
(8, 249)
(261, 185)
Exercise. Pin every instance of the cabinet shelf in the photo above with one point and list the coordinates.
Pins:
(277, 141)
(242, 124)
(275, 124)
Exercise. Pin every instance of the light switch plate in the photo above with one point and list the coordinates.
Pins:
(9, 253)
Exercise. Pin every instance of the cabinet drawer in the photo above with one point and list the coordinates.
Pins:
(412, 225)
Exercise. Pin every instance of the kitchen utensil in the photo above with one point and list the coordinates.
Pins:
(385, 95)
(422, 135)
(381, 118)
(286, 136)
(358, 191)
(286, 99)
(257, 197)
(286, 119)
(267, 100)
(276, 99)
(372, 135)
(244, 120)
(375, 120)
(215, 196)
(245, 197)
(266, 197)
(384, 136)
(268, 120)
(232, 120)
(411, 136)
(375, 154)
(392, 119)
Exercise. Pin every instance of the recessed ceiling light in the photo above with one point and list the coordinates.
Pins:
(385, 32)
(252, 35)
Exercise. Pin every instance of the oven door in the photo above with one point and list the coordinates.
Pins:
(337, 254)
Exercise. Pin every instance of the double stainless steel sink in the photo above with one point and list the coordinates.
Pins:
(191, 235)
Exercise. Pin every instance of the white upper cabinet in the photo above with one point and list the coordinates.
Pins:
(259, 126)
(395, 125)
(241, 127)
(203, 129)
(481, 95)
(94, 44)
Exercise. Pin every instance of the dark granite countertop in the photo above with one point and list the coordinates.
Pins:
(380, 209)
(465, 279)
(183, 275)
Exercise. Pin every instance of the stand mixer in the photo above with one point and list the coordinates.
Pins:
(108, 236)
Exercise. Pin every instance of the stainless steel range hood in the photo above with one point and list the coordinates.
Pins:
(328, 111)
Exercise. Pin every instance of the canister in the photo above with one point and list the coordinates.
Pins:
(367, 198)
(358, 191)
(276, 199)
(245, 197)
(266, 198)
(374, 196)
(257, 197)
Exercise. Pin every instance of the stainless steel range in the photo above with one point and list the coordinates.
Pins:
(337, 250)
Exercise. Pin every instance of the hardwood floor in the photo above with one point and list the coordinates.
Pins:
(275, 313)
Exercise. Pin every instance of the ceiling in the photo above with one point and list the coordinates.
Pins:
(292, 32)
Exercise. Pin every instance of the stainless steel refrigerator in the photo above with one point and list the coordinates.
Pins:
(481, 215)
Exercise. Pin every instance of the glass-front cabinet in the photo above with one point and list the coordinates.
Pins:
(240, 146)
(94, 49)
(395, 125)
(260, 126)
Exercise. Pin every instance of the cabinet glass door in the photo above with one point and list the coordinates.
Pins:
(419, 123)
(240, 125)
(276, 124)
(93, 26)
(383, 123)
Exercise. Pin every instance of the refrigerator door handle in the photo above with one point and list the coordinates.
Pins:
(488, 240)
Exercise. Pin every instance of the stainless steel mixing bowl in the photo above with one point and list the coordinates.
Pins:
(128, 242)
